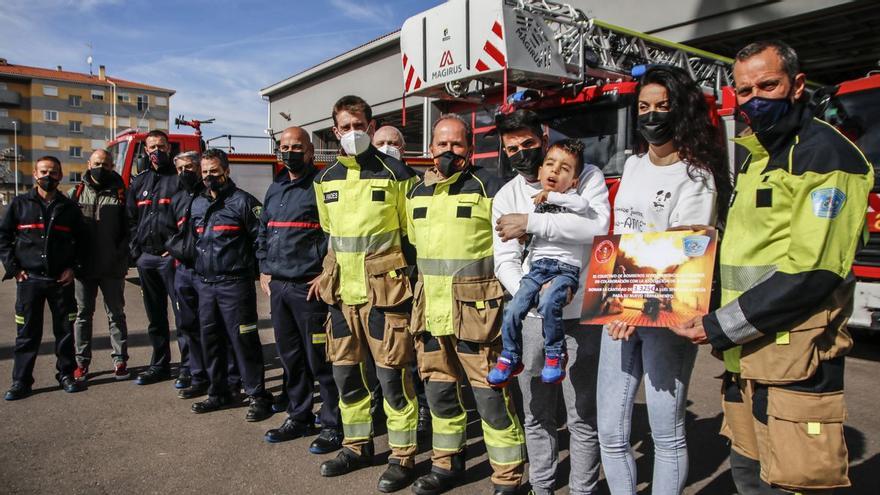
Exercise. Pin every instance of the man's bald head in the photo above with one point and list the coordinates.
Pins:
(294, 133)
(389, 135)
(296, 139)
(101, 158)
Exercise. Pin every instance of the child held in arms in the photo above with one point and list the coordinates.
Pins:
(554, 267)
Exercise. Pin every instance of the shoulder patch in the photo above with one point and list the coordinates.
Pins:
(827, 202)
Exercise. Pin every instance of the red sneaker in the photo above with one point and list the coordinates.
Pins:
(121, 371)
(80, 373)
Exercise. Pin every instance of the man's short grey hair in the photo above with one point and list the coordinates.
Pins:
(188, 155)
(468, 132)
(790, 63)
(399, 134)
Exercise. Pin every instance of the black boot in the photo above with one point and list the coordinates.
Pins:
(396, 477)
(193, 391)
(260, 409)
(347, 461)
(440, 480)
(505, 489)
(18, 390)
(290, 430)
(212, 403)
(329, 440)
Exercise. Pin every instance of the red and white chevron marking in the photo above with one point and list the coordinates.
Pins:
(492, 57)
(412, 80)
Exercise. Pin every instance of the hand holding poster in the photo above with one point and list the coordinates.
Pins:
(652, 279)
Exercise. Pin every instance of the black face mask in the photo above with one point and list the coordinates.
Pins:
(48, 183)
(100, 175)
(527, 161)
(188, 179)
(655, 127)
(762, 114)
(293, 160)
(215, 182)
(447, 163)
(160, 160)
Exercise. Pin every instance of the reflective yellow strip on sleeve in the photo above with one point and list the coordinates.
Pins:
(19, 319)
(814, 428)
(783, 338)
(242, 329)
(319, 338)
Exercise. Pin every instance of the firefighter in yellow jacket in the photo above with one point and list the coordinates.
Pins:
(794, 225)
(361, 199)
(457, 311)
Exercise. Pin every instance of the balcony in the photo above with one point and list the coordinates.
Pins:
(9, 124)
(8, 97)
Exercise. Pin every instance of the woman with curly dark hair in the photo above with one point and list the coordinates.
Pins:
(682, 179)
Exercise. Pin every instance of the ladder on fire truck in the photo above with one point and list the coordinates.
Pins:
(599, 50)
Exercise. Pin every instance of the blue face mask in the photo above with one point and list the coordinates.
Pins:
(761, 114)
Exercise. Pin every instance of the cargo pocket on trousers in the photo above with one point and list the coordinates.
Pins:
(328, 284)
(397, 343)
(785, 357)
(387, 280)
(476, 310)
(340, 343)
(737, 423)
(805, 435)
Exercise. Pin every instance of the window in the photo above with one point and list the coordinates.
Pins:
(5, 140)
(160, 124)
(123, 122)
(142, 103)
(75, 126)
(76, 151)
(161, 101)
(97, 144)
(51, 142)
(50, 115)
(50, 91)
(74, 100)
(97, 94)
(75, 176)
(123, 97)
(143, 124)
(97, 120)
(3, 85)
(118, 151)
(4, 112)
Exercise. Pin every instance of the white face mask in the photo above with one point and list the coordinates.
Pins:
(389, 150)
(355, 142)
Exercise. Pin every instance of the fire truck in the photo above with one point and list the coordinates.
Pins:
(252, 172)
(854, 108)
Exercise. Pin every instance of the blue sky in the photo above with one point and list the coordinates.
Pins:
(216, 54)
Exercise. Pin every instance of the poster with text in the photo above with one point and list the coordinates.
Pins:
(652, 279)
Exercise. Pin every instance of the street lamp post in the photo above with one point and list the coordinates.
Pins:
(15, 151)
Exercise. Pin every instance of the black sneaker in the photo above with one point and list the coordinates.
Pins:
(153, 375)
(329, 440)
(212, 403)
(70, 385)
(259, 409)
(193, 391)
(184, 380)
(289, 430)
(347, 461)
(395, 477)
(17, 391)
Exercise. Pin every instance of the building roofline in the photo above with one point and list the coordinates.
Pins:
(29, 72)
(328, 65)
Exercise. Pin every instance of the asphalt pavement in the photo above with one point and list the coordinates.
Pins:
(121, 438)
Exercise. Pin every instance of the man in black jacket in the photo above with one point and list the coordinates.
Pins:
(151, 224)
(226, 221)
(41, 243)
(291, 247)
(101, 198)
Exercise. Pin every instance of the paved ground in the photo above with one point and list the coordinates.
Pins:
(121, 438)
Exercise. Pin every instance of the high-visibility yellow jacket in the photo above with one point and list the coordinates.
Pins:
(450, 225)
(796, 219)
(361, 204)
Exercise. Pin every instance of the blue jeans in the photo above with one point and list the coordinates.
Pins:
(666, 361)
(563, 278)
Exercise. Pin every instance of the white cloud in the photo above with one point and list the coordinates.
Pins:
(369, 12)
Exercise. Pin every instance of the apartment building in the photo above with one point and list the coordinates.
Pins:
(69, 115)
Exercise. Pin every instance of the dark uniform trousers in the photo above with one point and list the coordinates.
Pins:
(157, 285)
(300, 339)
(187, 302)
(31, 296)
(228, 318)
